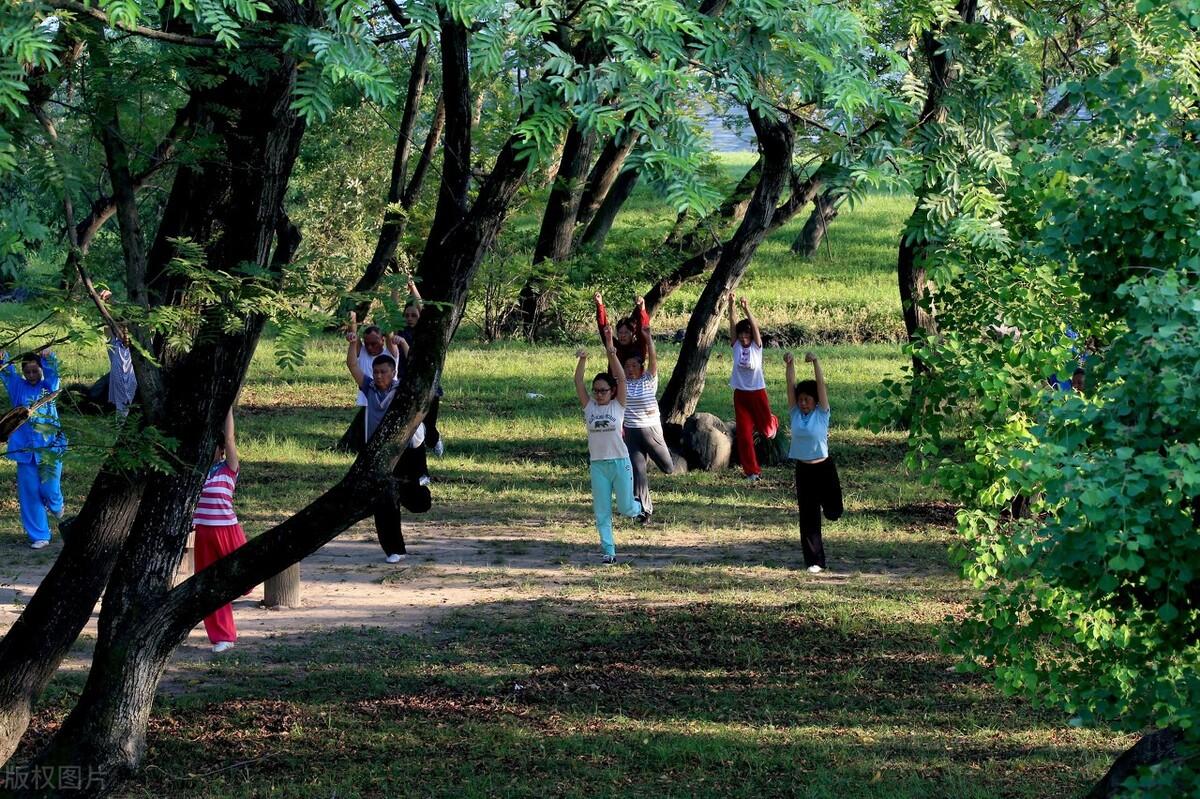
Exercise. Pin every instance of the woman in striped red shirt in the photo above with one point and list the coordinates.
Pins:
(217, 529)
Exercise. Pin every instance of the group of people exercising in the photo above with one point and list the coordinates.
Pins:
(620, 412)
(624, 428)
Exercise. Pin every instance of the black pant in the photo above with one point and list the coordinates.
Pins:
(407, 492)
(817, 489)
(432, 436)
(646, 443)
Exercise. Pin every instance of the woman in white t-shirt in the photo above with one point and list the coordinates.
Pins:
(751, 407)
(604, 415)
(643, 424)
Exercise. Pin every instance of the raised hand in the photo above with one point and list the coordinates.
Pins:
(105, 295)
(412, 287)
(788, 359)
(608, 335)
(810, 358)
(581, 354)
(732, 299)
(352, 327)
(599, 300)
(744, 303)
(640, 303)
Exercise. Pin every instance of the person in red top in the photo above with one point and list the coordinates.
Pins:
(630, 340)
(217, 529)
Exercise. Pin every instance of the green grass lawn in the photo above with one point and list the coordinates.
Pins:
(707, 663)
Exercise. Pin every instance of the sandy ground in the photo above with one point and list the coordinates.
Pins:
(347, 583)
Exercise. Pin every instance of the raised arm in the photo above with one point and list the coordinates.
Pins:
(352, 328)
(753, 324)
(8, 373)
(352, 358)
(614, 367)
(398, 347)
(822, 395)
(791, 378)
(732, 301)
(580, 384)
(413, 293)
(50, 369)
(651, 353)
(601, 314)
(641, 325)
(231, 450)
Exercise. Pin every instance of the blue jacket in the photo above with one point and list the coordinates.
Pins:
(42, 433)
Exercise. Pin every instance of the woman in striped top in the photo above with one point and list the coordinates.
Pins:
(643, 425)
(217, 529)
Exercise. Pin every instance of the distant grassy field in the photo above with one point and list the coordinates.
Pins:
(706, 664)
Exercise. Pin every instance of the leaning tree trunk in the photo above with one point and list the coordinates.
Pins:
(138, 632)
(604, 174)
(776, 142)
(710, 230)
(598, 229)
(558, 224)
(801, 195)
(1152, 748)
(825, 210)
(233, 210)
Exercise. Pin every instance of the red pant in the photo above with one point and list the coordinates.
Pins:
(213, 543)
(751, 412)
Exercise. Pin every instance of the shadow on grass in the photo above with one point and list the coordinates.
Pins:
(582, 699)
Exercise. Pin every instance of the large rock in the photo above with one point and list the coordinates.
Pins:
(770, 451)
(706, 442)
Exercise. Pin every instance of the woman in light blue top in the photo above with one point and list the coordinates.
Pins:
(817, 486)
(37, 445)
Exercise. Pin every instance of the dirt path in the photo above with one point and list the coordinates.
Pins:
(347, 584)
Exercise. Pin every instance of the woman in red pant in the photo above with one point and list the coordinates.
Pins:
(751, 408)
(217, 530)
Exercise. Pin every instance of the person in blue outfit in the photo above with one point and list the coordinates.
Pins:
(37, 445)
(818, 488)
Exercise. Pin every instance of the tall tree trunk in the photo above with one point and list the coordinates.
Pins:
(604, 174)
(234, 211)
(138, 632)
(36, 644)
(1151, 749)
(394, 221)
(558, 225)
(825, 209)
(776, 143)
(916, 295)
(598, 229)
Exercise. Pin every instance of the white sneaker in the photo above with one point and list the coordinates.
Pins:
(752, 478)
(424, 481)
(222, 646)
(439, 448)
(39, 545)
(815, 569)
(395, 557)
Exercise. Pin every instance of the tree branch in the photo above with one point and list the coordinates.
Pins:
(139, 30)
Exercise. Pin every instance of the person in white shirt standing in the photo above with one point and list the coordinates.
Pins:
(643, 424)
(604, 415)
(751, 407)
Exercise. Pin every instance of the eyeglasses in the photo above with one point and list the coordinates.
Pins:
(601, 390)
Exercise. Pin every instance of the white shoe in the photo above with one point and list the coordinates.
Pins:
(222, 646)
(424, 481)
(395, 557)
(39, 545)
(815, 569)
(752, 478)
(439, 448)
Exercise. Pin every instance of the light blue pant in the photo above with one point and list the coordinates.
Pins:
(608, 476)
(39, 489)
